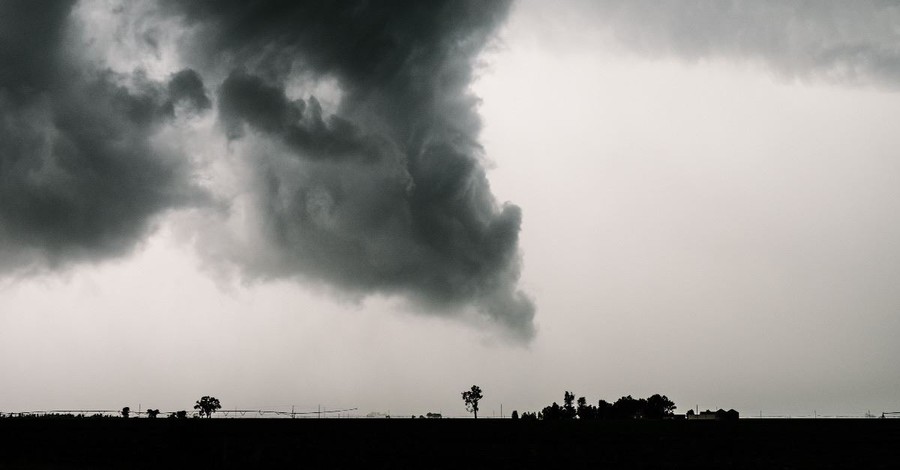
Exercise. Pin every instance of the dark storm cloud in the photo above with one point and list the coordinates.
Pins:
(841, 42)
(79, 179)
(388, 193)
(248, 99)
(186, 86)
(380, 190)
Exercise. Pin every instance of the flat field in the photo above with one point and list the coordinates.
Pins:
(51, 443)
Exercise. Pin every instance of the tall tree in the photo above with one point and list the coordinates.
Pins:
(471, 398)
(585, 411)
(659, 406)
(207, 406)
(568, 405)
(551, 413)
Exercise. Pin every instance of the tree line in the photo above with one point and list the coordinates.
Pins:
(654, 407)
(206, 406)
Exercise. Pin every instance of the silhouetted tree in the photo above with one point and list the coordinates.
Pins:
(551, 413)
(655, 407)
(659, 406)
(604, 410)
(628, 408)
(527, 416)
(207, 406)
(555, 412)
(126, 411)
(515, 415)
(471, 398)
(178, 415)
(568, 405)
(585, 411)
(151, 413)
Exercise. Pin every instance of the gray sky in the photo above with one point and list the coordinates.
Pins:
(695, 199)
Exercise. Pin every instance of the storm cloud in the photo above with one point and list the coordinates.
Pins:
(347, 131)
(387, 192)
(79, 177)
(850, 43)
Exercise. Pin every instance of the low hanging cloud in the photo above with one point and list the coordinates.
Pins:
(852, 43)
(79, 177)
(347, 130)
(387, 193)
(377, 188)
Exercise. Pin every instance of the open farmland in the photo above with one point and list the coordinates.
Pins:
(40, 443)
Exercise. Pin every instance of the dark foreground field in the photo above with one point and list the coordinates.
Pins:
(395, 443)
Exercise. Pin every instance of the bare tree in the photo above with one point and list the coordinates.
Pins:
(472, 397)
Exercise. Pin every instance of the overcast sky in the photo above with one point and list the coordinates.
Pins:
(379, 206)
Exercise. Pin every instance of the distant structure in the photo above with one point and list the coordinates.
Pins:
(718, 415)
(433, 416)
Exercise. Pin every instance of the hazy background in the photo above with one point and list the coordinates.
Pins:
(709, 213)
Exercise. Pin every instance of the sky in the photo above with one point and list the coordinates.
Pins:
(375, 207)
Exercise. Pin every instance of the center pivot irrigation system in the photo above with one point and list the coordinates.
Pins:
(293, 414)
(234, 412)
